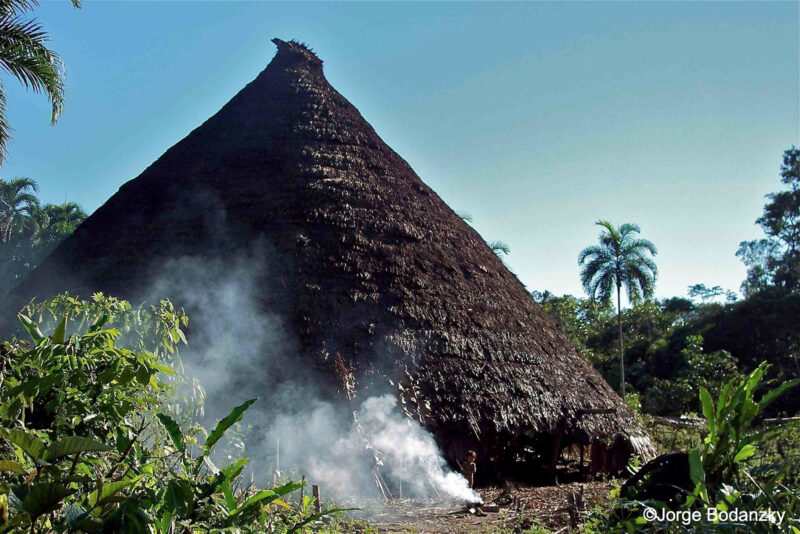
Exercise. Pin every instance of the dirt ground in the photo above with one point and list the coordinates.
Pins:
(515, 509)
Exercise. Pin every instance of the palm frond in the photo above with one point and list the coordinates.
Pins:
(619, 258)
(20, 184)
(39, 70)
(594, 251)
(603, 288)
(641, 244)
(5, 127)
(24, 54)
(597, 264)
(16, 7)
(500, 247)
(626, 229)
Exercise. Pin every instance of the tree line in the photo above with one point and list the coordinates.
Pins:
(30, 229)
(665, 350)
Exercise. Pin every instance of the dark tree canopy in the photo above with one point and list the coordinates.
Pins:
(774, 261)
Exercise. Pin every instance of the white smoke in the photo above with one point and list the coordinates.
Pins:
(410, 453)
(355, 454)
(234, 345)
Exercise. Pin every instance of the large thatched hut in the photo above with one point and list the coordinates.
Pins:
(383, 286)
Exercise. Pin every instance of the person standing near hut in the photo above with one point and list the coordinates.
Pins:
(468, 467)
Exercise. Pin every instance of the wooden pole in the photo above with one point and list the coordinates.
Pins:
(402, 468)
(317, 499)
(302, 489)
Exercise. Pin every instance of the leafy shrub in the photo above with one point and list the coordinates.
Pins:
(86, 446)
(732, 468)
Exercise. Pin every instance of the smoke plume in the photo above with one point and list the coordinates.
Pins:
(237, 350)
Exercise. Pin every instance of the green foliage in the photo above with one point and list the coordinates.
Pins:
(500, 248)
(762, 327)
(619, 260)
(24, 54)
(85, 443)
(707, 294)
(578, 318)
(774, 262)
(666, 362)
(29, 230)
(730, 469)
(731, 437)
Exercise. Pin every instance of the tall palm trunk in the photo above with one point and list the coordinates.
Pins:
(621, 358)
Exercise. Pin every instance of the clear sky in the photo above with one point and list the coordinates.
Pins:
(535, 118)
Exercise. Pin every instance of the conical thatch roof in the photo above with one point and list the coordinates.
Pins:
(380, 276)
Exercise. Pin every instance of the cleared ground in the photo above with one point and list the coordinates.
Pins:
(508, 510)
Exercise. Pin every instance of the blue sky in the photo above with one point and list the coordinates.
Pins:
(536, 118)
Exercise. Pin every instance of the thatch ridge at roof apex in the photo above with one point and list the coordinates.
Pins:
(297, 50)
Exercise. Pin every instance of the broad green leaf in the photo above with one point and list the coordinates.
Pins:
(127, 374)
(126, 520)
(262, 497)
(110, 373)
(73, 514)
(163, 368)
(73, 445)
(44, 498)
(755, 378)
(708, 409)
(179, 497)
(230, 500)
(135, 522)
(108, 490)
(282, 504)
(173, 429)
(232, 418)
(722, 400)
(773, 394)
(60, 332)
(287, 488)
(142, 374)
(10, 466)
(747, 412)
(32, 328)
(744, 453)
(29, 443)
(233, 470)
(15, 497)
(696, 471)
(99, 324)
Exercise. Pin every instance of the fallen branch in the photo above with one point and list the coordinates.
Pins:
(699, 422)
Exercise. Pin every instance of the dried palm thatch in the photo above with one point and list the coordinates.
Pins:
(382, 283)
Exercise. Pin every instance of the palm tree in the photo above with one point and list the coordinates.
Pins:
(621, 259)
(24, 55)
(57, 221)
(18, 202)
